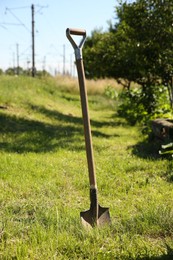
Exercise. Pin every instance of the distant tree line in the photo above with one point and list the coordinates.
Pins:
(21, 71)
(137, 48)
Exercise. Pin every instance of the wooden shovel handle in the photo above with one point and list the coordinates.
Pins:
(84, 101)
(74, 31)
(86, 122)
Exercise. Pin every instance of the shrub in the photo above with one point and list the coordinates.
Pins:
(137, 106)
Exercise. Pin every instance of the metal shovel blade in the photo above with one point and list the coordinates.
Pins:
(88, 217)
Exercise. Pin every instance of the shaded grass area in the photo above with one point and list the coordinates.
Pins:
(44, 180)
(26, 135)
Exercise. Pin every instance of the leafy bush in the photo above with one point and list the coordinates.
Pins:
(111, 92)
(139, 107)
(131, 106)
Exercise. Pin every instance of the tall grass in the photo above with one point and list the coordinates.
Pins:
(44, 178)
(93, 86)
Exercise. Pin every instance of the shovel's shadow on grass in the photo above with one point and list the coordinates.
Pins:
(27, 135)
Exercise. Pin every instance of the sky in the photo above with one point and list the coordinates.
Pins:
(53, 51)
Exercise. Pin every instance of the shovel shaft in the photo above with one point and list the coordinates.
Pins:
(96, 215)
(84, 101)
(86, 122)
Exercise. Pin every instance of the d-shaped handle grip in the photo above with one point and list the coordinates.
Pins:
(77, 48)
(74, 31)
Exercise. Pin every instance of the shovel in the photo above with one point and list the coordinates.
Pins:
(96, 215)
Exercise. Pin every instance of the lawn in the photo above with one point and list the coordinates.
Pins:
(44, 177)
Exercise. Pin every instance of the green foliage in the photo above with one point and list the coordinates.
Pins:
(137, 106)
(140, 46)
(111, 92)
(98, 52)
(148, 26)
(139, 49)
(20, 71)
(131, 106)
(10, 71)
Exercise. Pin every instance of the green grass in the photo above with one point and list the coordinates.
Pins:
(44, 178)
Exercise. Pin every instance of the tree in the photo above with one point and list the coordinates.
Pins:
(148, 25)
(139, 49)
(99, 54)
(14, 71)
(1, 72)
(10, 71)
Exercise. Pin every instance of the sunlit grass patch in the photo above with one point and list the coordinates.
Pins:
(44, 178)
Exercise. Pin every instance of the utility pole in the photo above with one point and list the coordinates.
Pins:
(17, 54)
(33, 41)
(14, 62)
(28, 62)
(44, 65)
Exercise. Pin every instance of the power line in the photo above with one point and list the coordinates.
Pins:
(25, 51)
(20, 22)
(1, 24)
(21, 7)
(32, 31)
(40, 8)
(16, 24)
